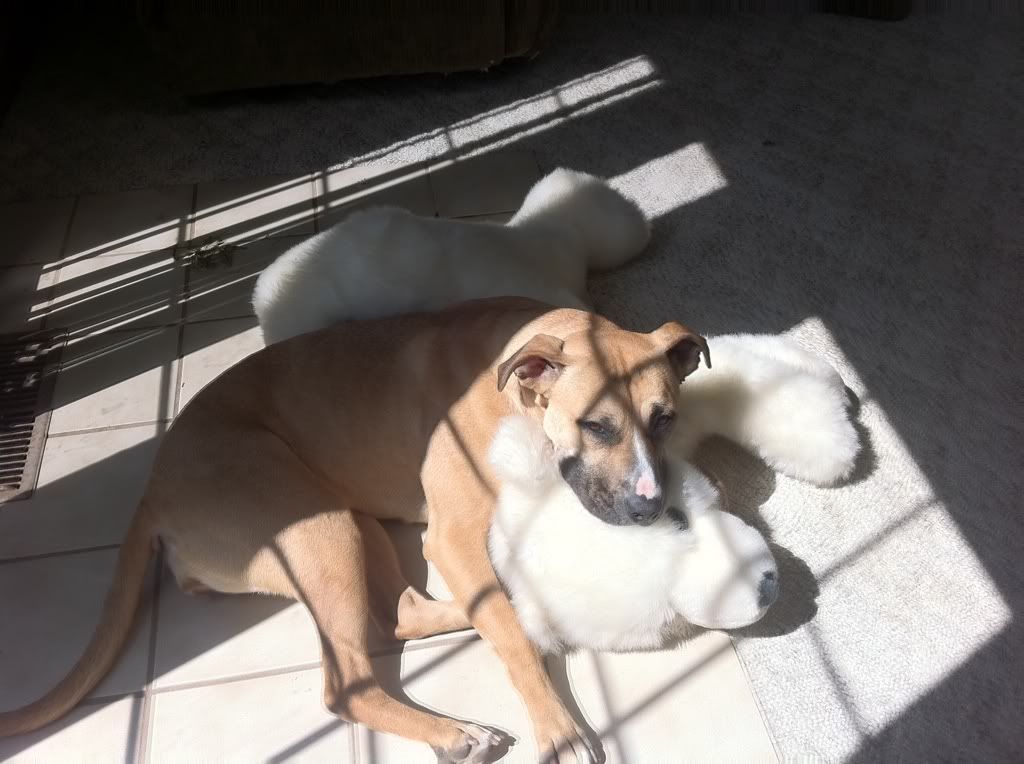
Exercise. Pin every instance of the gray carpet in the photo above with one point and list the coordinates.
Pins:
(857, 183)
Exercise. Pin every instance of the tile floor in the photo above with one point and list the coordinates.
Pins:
(235, 678)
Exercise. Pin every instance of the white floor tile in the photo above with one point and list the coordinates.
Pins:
(464, 680)
(24, 292)
(272, 718)
(689, 703)
(96, 294)
(91, 733)
(51, 607)
(89, 486)
(225, 291)
(129, 221)
(117, 378)
(207, 637)
(242, 210)
(211, 347)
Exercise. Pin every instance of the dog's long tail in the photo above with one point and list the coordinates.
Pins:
(611, 229)
(114, 627)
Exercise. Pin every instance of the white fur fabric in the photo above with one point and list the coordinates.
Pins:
(618, 587)
(768, 394)
(763, 391)
(387, 261)
(635, 587)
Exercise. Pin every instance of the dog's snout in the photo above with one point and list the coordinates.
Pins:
(643, 510)
(767, 589)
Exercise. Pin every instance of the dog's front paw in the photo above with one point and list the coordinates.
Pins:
(475, 745)
(567, 744)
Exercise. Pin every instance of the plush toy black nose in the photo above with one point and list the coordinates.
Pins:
(644, 511)
(767, 589)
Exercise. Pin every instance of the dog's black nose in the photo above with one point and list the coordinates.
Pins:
(767, 589)
(644, 511)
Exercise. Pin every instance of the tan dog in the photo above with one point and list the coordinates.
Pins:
(275, 477)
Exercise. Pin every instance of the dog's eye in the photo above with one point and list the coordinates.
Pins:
(596, 428)
(661, 422)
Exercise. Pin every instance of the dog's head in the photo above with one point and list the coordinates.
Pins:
(609, 399)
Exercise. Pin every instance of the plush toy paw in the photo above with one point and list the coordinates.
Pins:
(805, 426)
(810, 436)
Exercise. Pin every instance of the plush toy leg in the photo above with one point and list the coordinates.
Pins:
(801, 428)
(776, 399)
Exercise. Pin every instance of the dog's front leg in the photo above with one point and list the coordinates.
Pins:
(456, 543)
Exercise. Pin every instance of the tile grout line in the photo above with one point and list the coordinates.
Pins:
(106, 700)
(318, 178)
(51, 295)
(757, 700)
(417, 645)
(166, 405)
(193, 214)
(51, 291)
(196, 321)
(285, 670)
(60, 553)
(108, 428)
(97, 256)
(144, 730)
(172, 403)
(186, 279)
(199, 684)
(180, 355)
(353, 741)
(153, 327)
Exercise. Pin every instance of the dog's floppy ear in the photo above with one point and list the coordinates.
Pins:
(683, 348)
(537, 364)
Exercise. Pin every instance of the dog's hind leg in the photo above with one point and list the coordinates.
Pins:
(397, 606)
(321, 561)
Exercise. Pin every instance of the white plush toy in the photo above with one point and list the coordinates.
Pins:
(386, 261)
(621, 588)
(618, 587)
(764, 392)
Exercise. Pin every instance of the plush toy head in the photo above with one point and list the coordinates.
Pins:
(708, 566)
